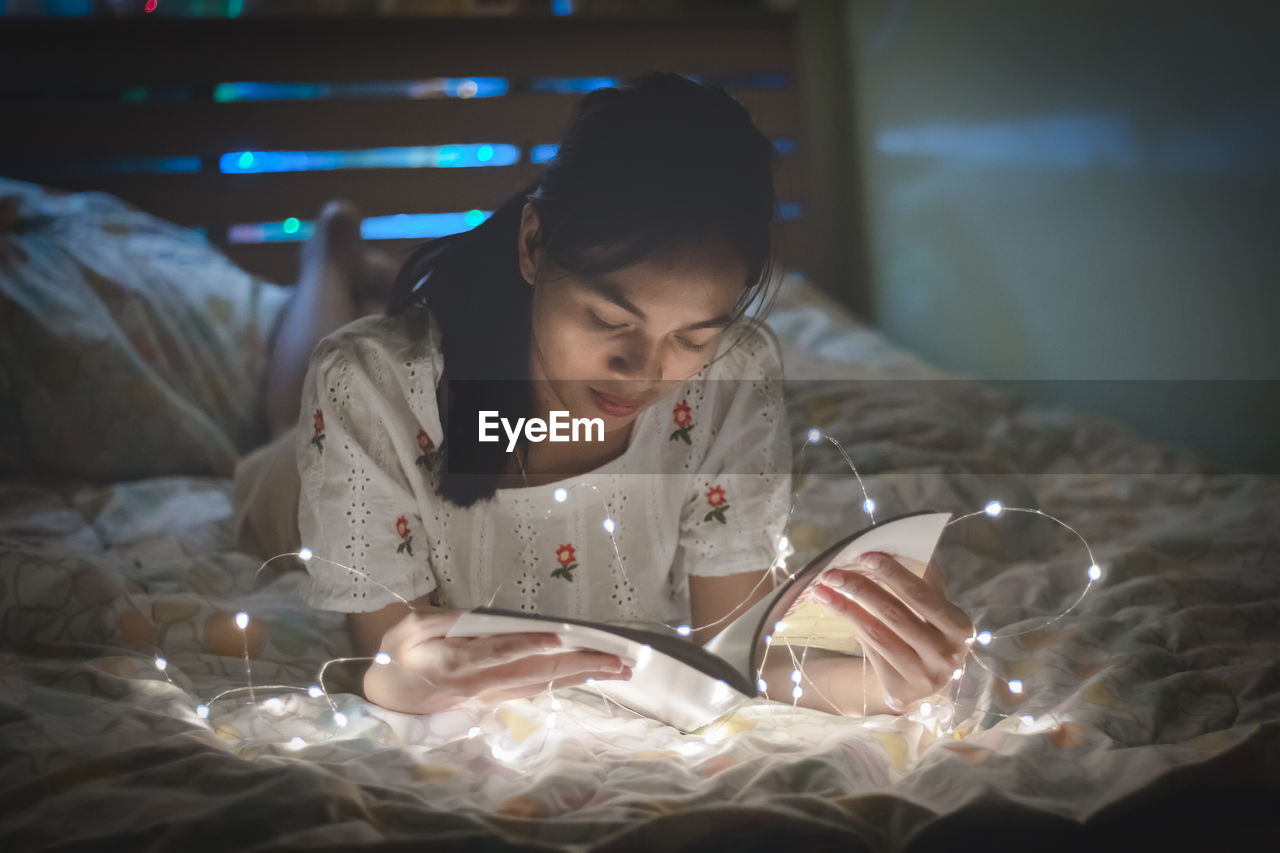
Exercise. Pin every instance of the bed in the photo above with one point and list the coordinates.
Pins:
(131, 353)
(1149, 711)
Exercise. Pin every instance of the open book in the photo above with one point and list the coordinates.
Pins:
(688, 686)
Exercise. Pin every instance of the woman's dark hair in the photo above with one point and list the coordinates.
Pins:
(658, 163)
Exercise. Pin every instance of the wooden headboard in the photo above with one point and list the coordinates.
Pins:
(94, 104)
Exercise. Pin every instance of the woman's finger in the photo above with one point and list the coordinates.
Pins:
(935, 649)
(538, 669)
(478, 652)
(920, 596)
(875, 634)
(524, 691)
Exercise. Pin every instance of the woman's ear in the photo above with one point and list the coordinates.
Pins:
(527, 242)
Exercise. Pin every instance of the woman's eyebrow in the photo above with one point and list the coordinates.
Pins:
(610, 290)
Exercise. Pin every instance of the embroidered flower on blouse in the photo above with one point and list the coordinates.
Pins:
(565, 556)
(426, 445)
(715, 497)
(318, 438)
(406, 536)
(683, 421)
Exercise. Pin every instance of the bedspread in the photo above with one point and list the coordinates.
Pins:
(1162, 683)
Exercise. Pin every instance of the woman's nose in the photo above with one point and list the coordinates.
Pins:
(640, 361)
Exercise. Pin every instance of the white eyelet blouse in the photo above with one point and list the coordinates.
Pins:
(703, 489)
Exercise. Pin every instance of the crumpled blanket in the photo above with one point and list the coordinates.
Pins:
(1160, 686)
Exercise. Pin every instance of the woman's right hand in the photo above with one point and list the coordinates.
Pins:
(430, 672)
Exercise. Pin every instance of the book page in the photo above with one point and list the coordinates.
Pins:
(809, 622)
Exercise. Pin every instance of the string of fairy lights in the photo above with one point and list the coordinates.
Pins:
(939, 712)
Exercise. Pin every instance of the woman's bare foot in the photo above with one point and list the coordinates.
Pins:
(341, 279)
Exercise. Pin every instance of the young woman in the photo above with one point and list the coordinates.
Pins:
(615, 288)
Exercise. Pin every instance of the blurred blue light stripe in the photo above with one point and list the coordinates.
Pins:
(436, 156)
(106, 165)
(571, 85)
(436, 87)
(398, 226)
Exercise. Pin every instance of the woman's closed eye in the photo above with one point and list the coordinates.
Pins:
(683, 342)
(595, 318)
(691, 346)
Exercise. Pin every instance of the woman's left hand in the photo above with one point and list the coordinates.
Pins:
(914, 647)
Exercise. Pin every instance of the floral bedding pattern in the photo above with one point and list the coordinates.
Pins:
(1168, 667)
(129, 347)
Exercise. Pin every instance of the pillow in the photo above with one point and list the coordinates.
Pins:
(129, 347)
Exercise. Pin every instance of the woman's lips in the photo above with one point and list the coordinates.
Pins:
(618, 407)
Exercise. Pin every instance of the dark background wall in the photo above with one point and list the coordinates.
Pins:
(1085, 194)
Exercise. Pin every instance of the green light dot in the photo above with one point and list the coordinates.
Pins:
(291, 225)
(246, 160)
(474, 218)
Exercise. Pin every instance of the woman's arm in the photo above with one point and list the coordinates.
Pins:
(714, 602)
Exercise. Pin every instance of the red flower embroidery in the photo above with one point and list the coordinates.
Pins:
(565, 556)
(683, 419)
(715, 497)
(318, 438)
(426, 445)
(406, 536)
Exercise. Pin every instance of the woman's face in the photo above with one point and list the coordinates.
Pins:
(611, 347)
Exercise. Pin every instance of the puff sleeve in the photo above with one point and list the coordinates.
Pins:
(740, 495)
(356, 448)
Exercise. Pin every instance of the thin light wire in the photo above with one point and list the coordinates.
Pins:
(769, 574)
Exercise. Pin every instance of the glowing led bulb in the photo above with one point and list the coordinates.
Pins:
(297, 743)
(984, 637)
(242, 620)
(777, 626)
(795, 676)
(161, 664)
(684, 630)
(815, 436)
(314, 691)
(560, 495)
(956, 674)
(762, 685)
(555, 704)
(608, 525)
(783, 543)
(382, 658)
(1027, 719)
(473, 731)
(797, 692)
(590, 680)
(993, 509)
(768, 639)
(274, 705)
(202, 711)
(339, 718)
(926, 710)
(869, 505)
(1095, 572)
(304, 554)
(1015, 686)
